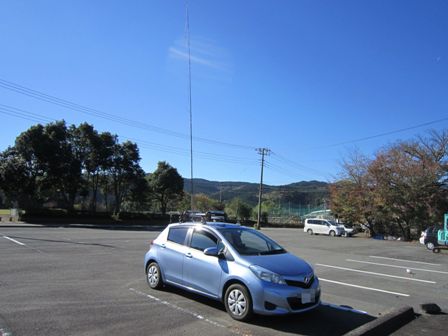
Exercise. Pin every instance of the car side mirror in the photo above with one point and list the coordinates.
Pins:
(211, 251)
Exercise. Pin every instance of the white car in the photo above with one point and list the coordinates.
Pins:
(349, 230)
(323, 226)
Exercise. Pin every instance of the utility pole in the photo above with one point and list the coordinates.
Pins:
(262, 152)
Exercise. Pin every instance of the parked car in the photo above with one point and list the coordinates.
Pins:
(322, 226)
(349, 230)
(192, 216)
(216, 216)
(243, 268)
(429, 237)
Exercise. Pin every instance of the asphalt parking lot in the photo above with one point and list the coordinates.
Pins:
(85, 281)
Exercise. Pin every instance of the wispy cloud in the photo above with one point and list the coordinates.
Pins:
(196, 59)
(204, 53)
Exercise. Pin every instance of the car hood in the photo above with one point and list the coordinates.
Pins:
(282, 264)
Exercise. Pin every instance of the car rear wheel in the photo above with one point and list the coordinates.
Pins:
(310, 232)
(153, 276)
(238, 302)
(332, 233)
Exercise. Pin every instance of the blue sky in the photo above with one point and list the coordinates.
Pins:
(305, 79)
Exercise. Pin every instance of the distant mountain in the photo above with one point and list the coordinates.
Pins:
(305, 193)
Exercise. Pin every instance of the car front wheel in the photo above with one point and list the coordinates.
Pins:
(238, 302)
(430, 246)
(310, 232)
(153, 276)
(332, 233)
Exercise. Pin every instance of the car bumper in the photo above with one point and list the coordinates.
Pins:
(271, 299)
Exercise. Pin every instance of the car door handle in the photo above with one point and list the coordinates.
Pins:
(162, 245)
(188, 255)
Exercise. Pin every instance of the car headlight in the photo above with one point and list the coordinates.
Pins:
(265, 275)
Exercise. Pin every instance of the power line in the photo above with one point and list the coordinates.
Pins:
(382, 134)
(297, 165)
(280, 170)
(22, 114)
(34, 117)
(107, 116)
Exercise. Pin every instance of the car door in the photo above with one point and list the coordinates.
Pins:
(202, 272)
(325, 227)
(317, 224)
(172, 254)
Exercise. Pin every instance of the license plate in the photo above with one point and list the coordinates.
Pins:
(308, 296)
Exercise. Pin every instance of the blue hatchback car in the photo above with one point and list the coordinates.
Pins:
(243, 268)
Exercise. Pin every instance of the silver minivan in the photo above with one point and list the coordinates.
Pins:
(323, 226)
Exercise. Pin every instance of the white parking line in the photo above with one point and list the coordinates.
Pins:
(374, 273)
(166, 303)
(362, 287)
(14, 241)
(412, 261)
(395, 266)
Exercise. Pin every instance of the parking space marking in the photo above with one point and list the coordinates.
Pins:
(14, 241)
(395, 266)
(362, 287)
(186, 311)
(374, 273)
(412, 261)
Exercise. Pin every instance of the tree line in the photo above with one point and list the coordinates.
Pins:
(400, 191)
(68, 167)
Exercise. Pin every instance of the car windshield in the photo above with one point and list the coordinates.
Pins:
(251, 242)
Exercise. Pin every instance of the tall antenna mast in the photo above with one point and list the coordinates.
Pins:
(190, 106)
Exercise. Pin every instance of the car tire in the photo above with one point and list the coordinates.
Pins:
(430, 245)
(436, 250)
(238, 302)
(310, 232)
(332, 233)
(154, 276)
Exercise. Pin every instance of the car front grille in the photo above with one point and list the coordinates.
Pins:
(300, 284)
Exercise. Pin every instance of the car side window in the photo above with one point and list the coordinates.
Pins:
(178, 234)
(200, 240)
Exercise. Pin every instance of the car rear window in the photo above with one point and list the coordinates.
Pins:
(177, 234)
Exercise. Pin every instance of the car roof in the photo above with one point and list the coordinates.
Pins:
(216, 225)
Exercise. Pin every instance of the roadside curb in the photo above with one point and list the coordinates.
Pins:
(385, 324)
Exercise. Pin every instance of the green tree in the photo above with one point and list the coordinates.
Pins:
(94, 151)
(17, 181)
(47, 152)
(204, 203)
(238, 209)
(165, 184)
(124, 171)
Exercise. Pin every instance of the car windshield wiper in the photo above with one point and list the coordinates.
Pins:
(278, 251)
